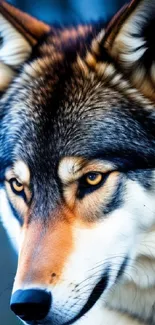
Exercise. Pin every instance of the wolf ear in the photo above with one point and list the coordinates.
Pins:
(19, 32)
(130, 41)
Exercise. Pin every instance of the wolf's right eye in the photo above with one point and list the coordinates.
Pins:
(16, 186)
(93, 178)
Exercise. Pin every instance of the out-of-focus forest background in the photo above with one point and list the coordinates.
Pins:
(51, 11)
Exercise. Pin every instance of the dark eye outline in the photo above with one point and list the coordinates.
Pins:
(86, 176)
(86, 188)
(18, 193)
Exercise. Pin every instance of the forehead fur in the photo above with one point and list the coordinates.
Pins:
(64, 107)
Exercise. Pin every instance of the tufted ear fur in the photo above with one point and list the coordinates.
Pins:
(19, 32)
(130, 41)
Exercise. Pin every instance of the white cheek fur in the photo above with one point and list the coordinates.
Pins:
(116, 237)
(9, 222)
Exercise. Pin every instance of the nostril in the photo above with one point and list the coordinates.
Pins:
(32, 304)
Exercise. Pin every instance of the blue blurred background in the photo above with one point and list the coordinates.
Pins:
(65, 11)
(51, 11)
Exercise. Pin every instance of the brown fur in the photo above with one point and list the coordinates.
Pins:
(74, 103)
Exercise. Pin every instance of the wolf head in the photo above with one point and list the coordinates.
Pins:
(77, 157)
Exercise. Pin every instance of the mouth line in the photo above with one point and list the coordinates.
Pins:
(98, 290)
(94, 296)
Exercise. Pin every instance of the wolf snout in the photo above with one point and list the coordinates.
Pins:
(32, 304)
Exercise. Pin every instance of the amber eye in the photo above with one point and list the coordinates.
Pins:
(94, 178)
(16, 186)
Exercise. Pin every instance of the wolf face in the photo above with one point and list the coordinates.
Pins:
(77, 160)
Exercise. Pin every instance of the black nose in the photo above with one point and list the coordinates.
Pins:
(30, 305)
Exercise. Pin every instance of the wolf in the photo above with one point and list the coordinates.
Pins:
(77, 166)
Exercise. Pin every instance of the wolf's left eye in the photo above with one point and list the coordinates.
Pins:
(90, 182)
(93, 178)
(16, 186)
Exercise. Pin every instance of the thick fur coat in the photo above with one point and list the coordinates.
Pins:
(77, 166)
